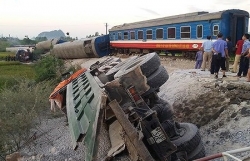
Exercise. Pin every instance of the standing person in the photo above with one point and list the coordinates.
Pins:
(230, 51)
(238, 47)
(198, 58)
(248, 56)
(244, 61)
(220, 53)
(207, 55)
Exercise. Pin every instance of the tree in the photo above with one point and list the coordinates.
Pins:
(96, 33)
(27, 41)
(39, 39)
(49, 68)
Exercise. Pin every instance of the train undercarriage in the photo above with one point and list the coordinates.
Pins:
(173, 53)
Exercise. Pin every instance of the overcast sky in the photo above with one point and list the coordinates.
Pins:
(83, 17)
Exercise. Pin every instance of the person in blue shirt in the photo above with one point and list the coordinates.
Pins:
(248, 56)
(220, 53)
(198, 58)
(244, 62)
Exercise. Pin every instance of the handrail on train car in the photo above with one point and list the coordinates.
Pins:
(225, 155)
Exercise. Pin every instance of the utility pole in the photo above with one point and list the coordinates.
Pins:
(106, 28)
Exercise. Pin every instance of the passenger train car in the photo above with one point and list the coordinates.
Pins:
(93, 47)
(181, 33)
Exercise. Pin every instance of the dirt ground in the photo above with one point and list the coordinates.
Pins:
(220, 108)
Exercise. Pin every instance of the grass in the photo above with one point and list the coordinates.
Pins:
(4, 54)
(7, 53)
(7, 63)
(12, 71)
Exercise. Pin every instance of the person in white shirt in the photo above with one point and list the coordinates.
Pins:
(207, 55)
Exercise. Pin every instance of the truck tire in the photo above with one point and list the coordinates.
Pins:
(189, 140)
(110, 74)
(198, 152)
(149, 63)
(157, 79)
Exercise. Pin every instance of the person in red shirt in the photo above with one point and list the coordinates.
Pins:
(238, 47)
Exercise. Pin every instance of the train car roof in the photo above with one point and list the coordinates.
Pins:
(189, 17)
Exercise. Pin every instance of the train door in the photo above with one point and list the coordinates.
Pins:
(237, 27)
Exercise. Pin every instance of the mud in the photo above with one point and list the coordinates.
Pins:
(209, 106)
(220, 108)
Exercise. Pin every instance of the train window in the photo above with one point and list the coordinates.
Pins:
(185, 32)
(159, 33)
(119, 36)
(114, 35)
(140, 34)
(171, 33)
(125, 35)
(149, 34)
(215, 30)
(132, 35)
(199, 31)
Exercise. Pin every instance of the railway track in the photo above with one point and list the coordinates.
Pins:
(162, 57)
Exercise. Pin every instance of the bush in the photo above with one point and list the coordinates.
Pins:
(3, 45)
(37, 53)
(7, 82)
(20, 107)
(48, 68)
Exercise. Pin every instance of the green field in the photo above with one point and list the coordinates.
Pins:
(7, 53)
(4, 54)
(10, 72)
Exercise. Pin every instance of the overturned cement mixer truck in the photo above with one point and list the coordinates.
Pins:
(115, 110)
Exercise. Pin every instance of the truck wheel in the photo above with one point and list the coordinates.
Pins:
(198, 152)
(157, 79)
(189, 140)
(110, 74)
(148, 63)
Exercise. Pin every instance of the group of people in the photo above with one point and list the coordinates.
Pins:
(215, 56)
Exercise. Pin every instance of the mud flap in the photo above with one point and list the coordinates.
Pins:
(130, 130)
(116, 138)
